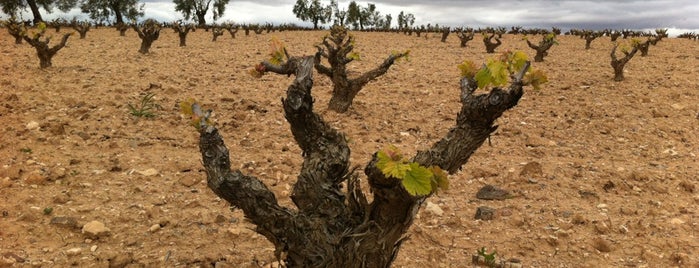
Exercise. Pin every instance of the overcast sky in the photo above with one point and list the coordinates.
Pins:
(679, 16)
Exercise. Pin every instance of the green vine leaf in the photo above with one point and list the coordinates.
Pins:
(483, 77)
(418, 180)
(354, 56)
(468, 69)
(440, 178)
(499, 71)
(277, 53)
(535, 78)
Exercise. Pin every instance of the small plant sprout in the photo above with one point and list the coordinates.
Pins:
(48, 210)
(146, 107)
(485, 258)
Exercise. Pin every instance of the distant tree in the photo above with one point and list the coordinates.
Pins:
(12, 7)
(197, 9)
(369, 16)
(387, 22)
(313, 12)
(354, 14)
(120, 9)
(405, 21)
(361, 17)
(338, 15)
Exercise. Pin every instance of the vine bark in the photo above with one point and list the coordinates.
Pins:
(330, 227)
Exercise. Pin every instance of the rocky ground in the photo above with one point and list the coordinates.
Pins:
(599, 173)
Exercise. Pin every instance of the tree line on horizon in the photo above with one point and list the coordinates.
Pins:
(123, 11)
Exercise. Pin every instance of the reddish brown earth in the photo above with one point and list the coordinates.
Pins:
(617, 184)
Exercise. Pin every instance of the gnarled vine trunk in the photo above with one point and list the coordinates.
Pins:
(149, 32)
(618, 64)
(330, 227)
(338, 51)
(541, 49)
(490, 46)
(43, 51)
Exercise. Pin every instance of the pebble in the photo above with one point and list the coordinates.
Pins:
(95, 229)
(74, 251)
(6, 182)
(32, 125)
(35, 178)
(154, 228)
(532, 170)
(189, 181)
(12, 172)
(239, 232)
(485, 213)
(148, 172)
(677, 106)
(489, 192)
(433, 209)
(676, 221)
(93, 248)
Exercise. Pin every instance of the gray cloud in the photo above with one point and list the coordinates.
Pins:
(589, 14)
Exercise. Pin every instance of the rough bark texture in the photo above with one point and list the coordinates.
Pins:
(329, 227)
(149, 32)
(490, 46)
(336, 49)
(542, 48)
(42, 48)
(35, 11)
(618, 64)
